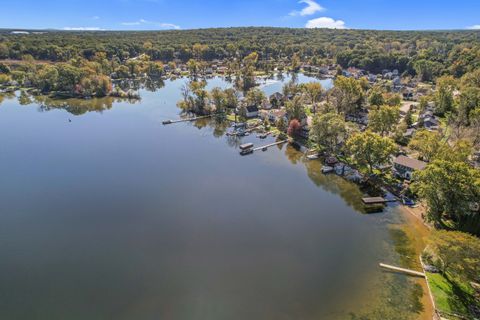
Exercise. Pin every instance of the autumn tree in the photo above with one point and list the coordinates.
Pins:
(294, 128)
(295, 108)
(247, 72)
(444, 95)
(383, 119)
(368, 149)
(328, 131)
(231, 98)
(375, 97)
(456, 254)
(426, 143)
(219, 99)
(348, 95)
(255, 96)
(314, 91)
(450, 189)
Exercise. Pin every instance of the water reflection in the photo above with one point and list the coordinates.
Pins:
(148, 84)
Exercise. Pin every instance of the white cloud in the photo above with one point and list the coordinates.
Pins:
(474, 27)
(83, 29)
(95, 17)
(325, 22)
(311, 8)
(162, 25)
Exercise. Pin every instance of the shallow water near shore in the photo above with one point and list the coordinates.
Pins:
(107, 214)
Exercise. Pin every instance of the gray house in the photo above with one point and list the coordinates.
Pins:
(252, 111)
(404, 166)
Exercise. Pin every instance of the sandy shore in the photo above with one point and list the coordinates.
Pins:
(419, 231)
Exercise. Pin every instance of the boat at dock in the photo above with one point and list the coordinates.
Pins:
(327, 169)
(246, 146)
(246, 151)
(313, 157)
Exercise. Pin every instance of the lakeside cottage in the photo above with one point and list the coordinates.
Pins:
(252, 111)
(404, 166)
(273, 115)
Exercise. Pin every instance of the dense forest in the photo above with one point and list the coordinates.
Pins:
(432, 53)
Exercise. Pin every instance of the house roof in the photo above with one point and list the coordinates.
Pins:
(410, 163)
(252, 108)
(278, 113)
(276, 95)
(431, 120)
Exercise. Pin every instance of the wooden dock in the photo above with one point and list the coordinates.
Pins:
(184, 120)
(402, 270)
(373, 200)
(377, 200)
(270, 145)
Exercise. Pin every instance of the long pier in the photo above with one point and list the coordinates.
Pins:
(184, 120)
(270, 145)
(402, 270)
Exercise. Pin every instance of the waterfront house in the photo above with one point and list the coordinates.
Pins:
(275, 115)
(404, 166)
(252, 111)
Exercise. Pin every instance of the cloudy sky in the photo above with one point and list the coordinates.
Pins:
(189, 14)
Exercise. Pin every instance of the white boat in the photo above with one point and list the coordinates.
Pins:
(327, 169)
(312, 157)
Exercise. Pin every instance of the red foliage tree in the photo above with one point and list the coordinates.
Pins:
(294, 128)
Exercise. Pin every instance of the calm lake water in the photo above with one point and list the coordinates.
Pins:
(115, 216)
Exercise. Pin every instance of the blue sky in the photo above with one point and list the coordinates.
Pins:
(190, 14)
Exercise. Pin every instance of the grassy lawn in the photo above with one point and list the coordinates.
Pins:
(231, 117)
(449, 298)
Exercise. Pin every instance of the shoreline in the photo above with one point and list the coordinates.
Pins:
(419, 232)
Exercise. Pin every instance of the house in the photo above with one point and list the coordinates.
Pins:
(409, 133)
(431, 123)
(408, 94)
(275, 115)
(406, 107)
(397, 82)
(372, 78)
(404, 166)
(428, 119)
(252, 111)
(323, 70)
(388, 76)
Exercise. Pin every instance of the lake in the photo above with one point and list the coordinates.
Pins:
(107, 214)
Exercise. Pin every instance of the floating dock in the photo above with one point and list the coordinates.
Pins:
(402, 270)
